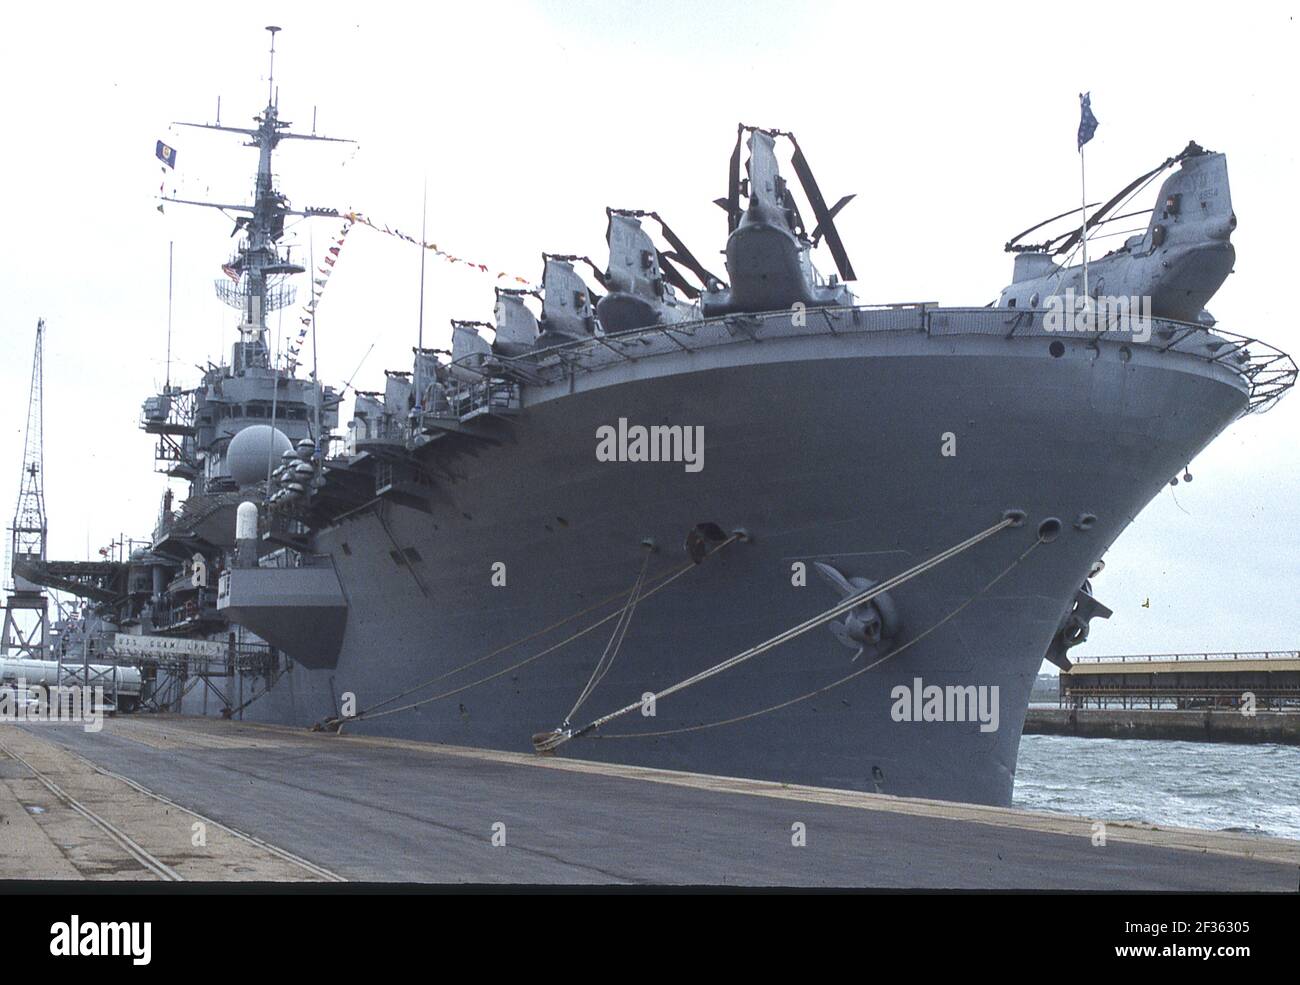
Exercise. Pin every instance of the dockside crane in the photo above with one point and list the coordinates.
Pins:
(26, 625)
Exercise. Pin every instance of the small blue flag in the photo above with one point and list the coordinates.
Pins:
(1087, 122)
(166, 154)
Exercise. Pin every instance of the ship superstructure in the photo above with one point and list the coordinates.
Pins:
(247, 416)
(221, 437)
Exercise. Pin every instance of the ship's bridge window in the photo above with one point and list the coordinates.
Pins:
(297, 413)
(253, 410)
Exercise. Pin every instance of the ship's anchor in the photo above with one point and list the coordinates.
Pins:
(1074, 627)
(869, 628)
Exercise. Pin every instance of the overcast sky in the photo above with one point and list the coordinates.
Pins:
(955, 124)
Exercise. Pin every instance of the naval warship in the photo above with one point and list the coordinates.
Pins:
(741, 524)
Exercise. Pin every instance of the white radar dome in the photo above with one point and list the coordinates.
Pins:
(251, 449)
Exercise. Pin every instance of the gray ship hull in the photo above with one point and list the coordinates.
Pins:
(822, 449)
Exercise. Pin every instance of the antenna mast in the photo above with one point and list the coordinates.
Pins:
(27, 607)
(419, 336)
(255, 276)
(270, 75)
(171, 247)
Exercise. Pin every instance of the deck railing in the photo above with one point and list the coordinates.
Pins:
(1140, 658)
(1268, 372)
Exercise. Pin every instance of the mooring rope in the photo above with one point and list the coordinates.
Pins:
(834, 684)
(664, 580)
(507, 646)
(549, 741)
(615, 642)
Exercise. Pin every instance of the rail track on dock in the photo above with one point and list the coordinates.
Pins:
(142, 856)
(146, 859)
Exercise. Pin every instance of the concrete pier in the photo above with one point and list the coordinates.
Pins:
(283, 804)
(1201, 725)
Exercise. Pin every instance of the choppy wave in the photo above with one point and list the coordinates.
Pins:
(1219, 787)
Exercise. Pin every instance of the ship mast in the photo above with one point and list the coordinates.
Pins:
(253, 284)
